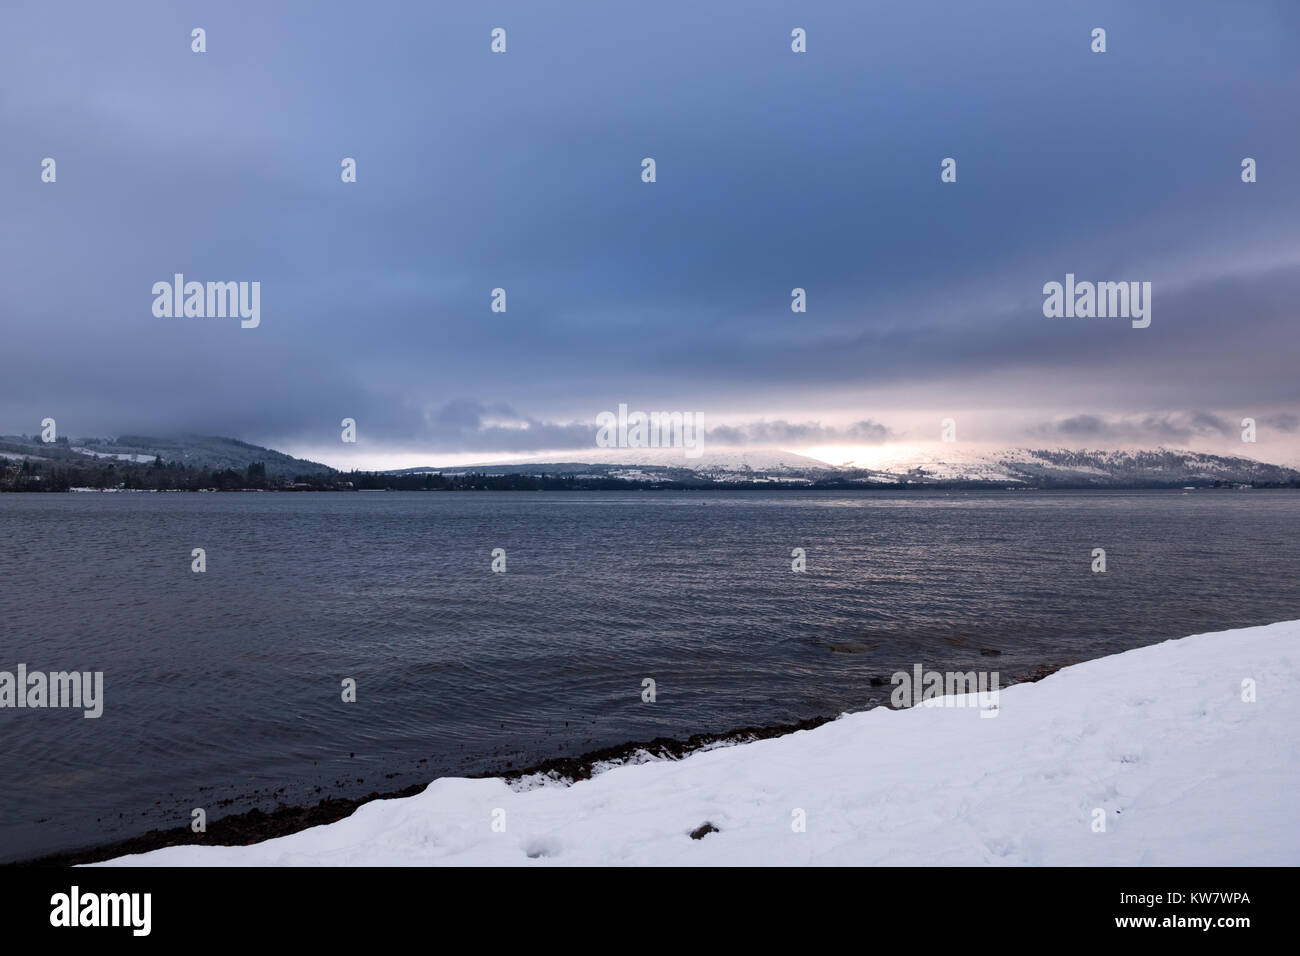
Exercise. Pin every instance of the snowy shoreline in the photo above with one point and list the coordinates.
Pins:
(1158, 742)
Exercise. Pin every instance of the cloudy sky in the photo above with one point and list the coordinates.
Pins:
(775, 170)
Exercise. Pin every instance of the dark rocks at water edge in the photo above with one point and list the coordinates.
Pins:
(254, 826)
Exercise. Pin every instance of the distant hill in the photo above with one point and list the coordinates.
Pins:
(660, 464)
(1065, 467)
(206, 452)
(954, 465)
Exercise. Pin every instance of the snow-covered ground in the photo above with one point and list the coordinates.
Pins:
(137, 459)
(1158, 740)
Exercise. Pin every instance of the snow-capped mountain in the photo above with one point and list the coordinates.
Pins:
(1047, 467)
(934, 464)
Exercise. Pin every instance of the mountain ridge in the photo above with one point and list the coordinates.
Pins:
(208, 452)
(1022, 466)
(957, 465)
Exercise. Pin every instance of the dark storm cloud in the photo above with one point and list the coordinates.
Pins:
(1180, 427)
(470, 426)
(521, 171)
(798, 434)
(1173, 427)
(1082, 426)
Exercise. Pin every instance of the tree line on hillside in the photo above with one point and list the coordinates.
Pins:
(34, 475)
(28, 474)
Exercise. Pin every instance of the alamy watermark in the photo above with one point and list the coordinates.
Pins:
(683, 430)
(129, 910)
(37, 689)
(1102, 300)
(212, 300)
(923, 688)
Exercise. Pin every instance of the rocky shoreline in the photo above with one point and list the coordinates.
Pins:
(254, 826)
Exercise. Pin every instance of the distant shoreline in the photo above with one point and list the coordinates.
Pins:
(523, 482)
(213, 463)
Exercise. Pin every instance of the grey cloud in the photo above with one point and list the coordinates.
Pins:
(778, 433)
(1161, 428)
(522, 171)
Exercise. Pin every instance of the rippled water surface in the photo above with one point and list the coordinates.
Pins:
(223, 689)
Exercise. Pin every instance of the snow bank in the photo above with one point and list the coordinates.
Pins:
(1159, 738)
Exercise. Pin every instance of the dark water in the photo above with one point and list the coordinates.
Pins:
(223, 689)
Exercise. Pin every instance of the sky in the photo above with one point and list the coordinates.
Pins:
(775, 170)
